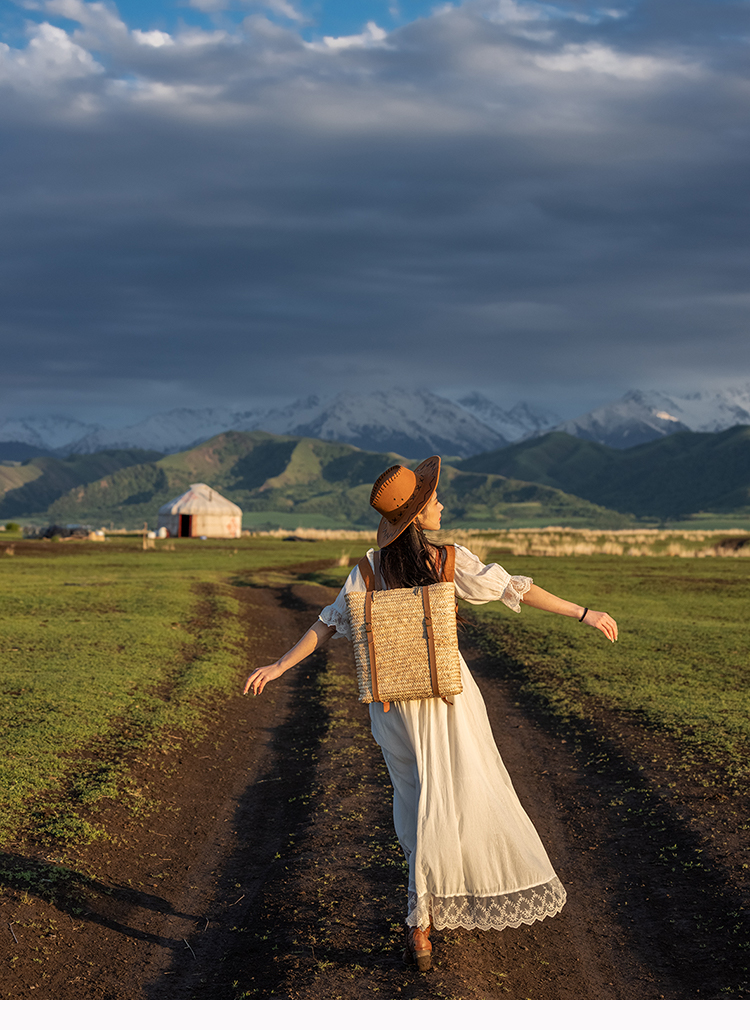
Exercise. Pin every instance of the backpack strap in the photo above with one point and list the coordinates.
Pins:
(371, 647)
(447, 570)
(449, 564)
(372, 582)
(430, 641)
(366, 572)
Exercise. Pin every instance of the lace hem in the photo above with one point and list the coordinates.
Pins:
(332, 617)
(487, 913)
(514, 591)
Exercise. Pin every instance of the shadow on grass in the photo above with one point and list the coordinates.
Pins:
(83, 898)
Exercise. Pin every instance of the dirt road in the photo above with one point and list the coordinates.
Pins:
(269, 868)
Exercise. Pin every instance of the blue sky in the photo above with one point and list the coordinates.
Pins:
(227, 201)
(315, 19)
(342, 18)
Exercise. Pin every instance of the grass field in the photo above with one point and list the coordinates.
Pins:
(108, 649)
(681, 663)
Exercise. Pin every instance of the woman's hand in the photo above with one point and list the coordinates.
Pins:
(603, 622)
(258, 678)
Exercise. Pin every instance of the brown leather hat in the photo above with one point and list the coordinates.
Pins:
(399, 495)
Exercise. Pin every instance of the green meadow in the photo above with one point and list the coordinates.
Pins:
(108, 649)
(681, 664)
(110, 652)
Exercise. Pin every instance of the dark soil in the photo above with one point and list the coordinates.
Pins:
(268, 868)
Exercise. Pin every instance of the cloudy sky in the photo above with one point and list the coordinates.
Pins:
(228, 202)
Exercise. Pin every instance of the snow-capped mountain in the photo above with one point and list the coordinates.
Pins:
(643, 415)
(170, 432)
(287, 420)
(521, 421)
(47, 432)
(706, 412)
(413, 424)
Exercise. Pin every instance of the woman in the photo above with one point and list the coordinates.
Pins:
(475, 859)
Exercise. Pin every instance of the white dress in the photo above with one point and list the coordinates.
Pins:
(475, 859)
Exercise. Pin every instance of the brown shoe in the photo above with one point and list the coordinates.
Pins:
(418, 948)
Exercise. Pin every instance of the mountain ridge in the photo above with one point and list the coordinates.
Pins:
(413, 423)
(263, 472)
(673, 477)
(556, 476)
(34, 485)
(644, 415)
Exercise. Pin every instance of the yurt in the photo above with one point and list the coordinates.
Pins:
(201, 512)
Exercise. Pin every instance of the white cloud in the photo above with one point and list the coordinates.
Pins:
(153, 38)
(192, 36)
(281, 8)
(508, 12)
(97, 17)
(198, 102)
(373, 35)
(604, 60)
(50, 58)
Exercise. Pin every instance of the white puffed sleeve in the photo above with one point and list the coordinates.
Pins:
(478, 583)
(337, 614)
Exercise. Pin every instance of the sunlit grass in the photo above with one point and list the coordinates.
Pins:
(106, 648)
(681, 662)
(559, 541)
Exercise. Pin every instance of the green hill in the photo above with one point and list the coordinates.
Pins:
(299, 476)
(670, 478)
(36, 484)
(476, 499)
(553, 479)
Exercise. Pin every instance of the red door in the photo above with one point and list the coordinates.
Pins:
(186, 525)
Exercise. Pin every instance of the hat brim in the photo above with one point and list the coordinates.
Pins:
(428, 474)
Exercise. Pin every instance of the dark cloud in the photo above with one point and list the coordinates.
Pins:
(532, 200)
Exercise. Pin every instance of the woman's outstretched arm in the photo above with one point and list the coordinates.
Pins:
(535, 597)
(318, 634)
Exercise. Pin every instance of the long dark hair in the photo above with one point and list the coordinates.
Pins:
(409, 561)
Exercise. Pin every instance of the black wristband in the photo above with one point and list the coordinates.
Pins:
(585, 613)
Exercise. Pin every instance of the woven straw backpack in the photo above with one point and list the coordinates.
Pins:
(404, 640)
